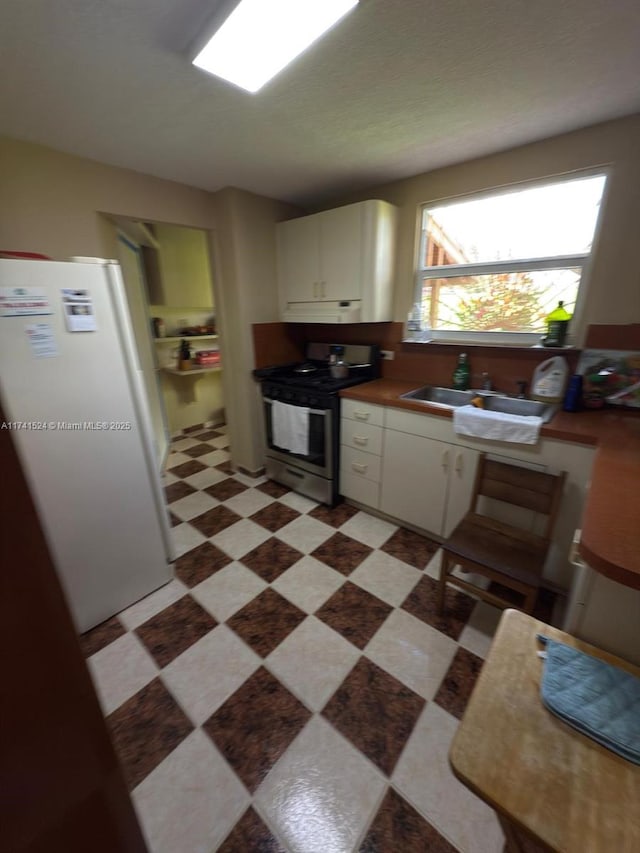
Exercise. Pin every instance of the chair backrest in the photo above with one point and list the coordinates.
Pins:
(512, 484)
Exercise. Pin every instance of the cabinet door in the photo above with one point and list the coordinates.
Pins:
(414, 479)
(462, 472)
(341, 253)
(299, 259)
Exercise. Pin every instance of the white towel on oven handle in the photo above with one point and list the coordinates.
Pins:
(290, 425)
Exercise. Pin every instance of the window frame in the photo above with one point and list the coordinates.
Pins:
(583, 260)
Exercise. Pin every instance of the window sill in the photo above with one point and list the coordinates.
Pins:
(447, 345)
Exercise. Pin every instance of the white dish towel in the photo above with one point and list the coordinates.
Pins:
(497, 426)
(290, 427)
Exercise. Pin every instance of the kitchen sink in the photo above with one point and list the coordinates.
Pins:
(449, 398)
(435, 395)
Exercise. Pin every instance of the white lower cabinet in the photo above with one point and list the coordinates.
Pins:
(425, 482)
(415, 469)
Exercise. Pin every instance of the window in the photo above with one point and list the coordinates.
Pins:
(492, 267)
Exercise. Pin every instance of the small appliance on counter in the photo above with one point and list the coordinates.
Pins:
(302, 415)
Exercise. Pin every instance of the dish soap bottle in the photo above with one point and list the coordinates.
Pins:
(557, 324)
(461, 375)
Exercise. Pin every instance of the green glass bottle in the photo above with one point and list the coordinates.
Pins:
(462, 373)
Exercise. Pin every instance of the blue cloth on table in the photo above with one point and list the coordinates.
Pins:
(596, 698)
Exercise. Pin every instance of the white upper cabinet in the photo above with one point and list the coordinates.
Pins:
(337, 266)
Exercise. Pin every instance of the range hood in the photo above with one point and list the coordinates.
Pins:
(348, 311)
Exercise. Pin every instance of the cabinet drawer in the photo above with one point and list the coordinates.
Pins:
(365, 465)
(361, 436)
(359, 489)
(363, 412)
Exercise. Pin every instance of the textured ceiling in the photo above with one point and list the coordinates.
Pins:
(399, 87)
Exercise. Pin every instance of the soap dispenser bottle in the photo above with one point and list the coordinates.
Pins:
(462, 373)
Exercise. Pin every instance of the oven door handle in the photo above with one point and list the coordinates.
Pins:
(311, 411)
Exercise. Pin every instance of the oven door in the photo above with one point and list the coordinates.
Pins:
(320, 457)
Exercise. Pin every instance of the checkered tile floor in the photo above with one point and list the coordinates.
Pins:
(293, 688)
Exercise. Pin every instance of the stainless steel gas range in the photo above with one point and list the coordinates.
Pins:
(302, 416)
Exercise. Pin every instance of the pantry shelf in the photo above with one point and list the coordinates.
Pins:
(176, 338)
(191, 371)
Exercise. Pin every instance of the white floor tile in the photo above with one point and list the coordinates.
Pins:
(228, 590)
(424, 777)
(413, 652)
(193, 505)
(209, 671)
(152, 604)
(192, 799)
(216, 457)
(368, 529)
(308, 583)
(206, 478)
(298, 502)
(240, 538)
(119, 670)
(221, 442)
(166, 478)
(322, 793)
(183, 444)
(185, 537)
(175, 459)
(433, 566)
(312, 662)
(247, 480)
(305, 533)
(386, 577)
(246, 503)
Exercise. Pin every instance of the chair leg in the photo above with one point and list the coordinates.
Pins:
(530, 600)
(442, 584)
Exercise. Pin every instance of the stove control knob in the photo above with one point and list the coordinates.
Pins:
(303, 399)
(313, 401)
(287, 395)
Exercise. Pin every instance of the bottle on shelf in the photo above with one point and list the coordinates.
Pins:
(184, 356)
(462, 373)
(557, 326)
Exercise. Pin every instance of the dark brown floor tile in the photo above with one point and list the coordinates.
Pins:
(225, 467)
(255, 726)
(266, 621)
(335, 516)
(399, 828)
(375, 711)
(276, 490)
(170, 632)
(422, 603)
(274, 516)
(354, 613)
(186, 469)
(453, 694)
(271, 559)
(193, 428)
(411, 547)
(196, 565)
(100, 636)
(178, 490)
(174, 521)
(226, 489)
(198, 450)
(342, 553)
(207, 435)
(145, 729)
(251, 835)
(214, 520)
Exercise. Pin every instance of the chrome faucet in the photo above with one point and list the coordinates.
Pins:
(522, 387)
(486, 381)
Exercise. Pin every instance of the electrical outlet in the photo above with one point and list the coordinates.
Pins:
(387, 354)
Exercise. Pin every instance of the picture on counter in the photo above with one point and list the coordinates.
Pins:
(78, 310)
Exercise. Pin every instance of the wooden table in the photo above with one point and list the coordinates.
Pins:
(551, 787)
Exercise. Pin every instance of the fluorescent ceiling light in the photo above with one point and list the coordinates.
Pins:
(260, 37)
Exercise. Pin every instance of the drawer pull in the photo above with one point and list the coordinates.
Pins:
(361, 416)
(361, 469)
(360, 439)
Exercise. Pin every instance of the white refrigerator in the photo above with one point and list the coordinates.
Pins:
(74, 398)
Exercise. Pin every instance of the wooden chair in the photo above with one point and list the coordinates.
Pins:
(512, 557)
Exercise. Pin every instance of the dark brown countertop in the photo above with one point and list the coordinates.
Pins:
(610, 540)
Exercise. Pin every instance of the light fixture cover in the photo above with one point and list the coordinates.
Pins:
(260, 37)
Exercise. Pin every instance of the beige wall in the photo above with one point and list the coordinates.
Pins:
(614, 291)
